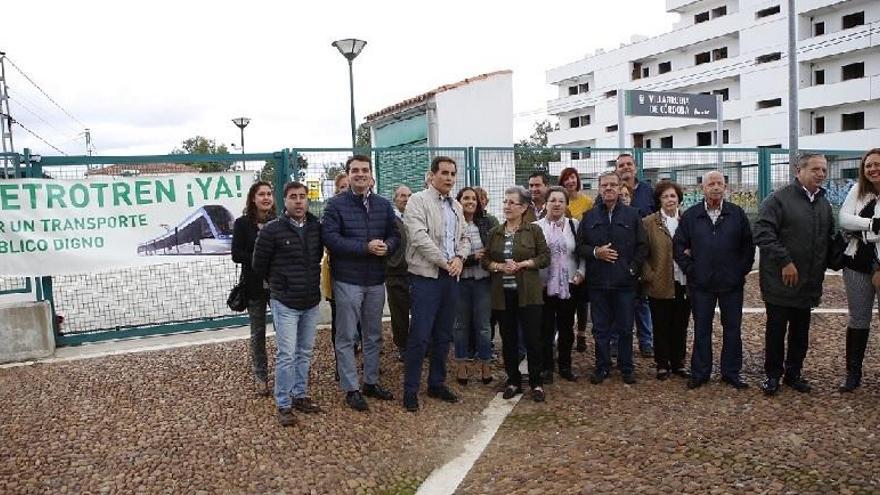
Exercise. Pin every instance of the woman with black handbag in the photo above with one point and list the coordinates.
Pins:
(259, 210)
(860, 218)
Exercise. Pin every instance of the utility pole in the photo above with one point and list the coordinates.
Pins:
(5, 117)
(88, 135)
(794, 114)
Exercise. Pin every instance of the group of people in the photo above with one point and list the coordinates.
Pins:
(634, 259)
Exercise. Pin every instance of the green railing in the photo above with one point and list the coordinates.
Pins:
(179, 297)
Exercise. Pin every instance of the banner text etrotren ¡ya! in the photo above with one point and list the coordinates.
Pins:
(59, 227)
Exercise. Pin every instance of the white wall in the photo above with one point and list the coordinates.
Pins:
(479, 113)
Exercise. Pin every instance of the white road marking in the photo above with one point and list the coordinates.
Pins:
(446, 478)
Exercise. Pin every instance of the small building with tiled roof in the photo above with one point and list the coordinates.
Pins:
(477, 111)
(131, 169)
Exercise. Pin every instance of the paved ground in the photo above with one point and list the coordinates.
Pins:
(183, 420)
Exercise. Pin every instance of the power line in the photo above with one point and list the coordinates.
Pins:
(38, 116)
(44, 92)
(34, 134)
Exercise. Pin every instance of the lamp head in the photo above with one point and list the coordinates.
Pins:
(349, 48)
(241, 122)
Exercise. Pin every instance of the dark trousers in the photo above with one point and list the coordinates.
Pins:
(257, 315)
(613, 314)
(529, 319)
(703, 307)
(557, 316)
(434, 303)
(670, 318)
(796, 321)
(398, 304)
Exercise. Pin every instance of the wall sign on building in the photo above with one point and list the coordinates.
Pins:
(669, 104)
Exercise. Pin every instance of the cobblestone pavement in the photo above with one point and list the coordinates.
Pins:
(185, 421)
(657, 437)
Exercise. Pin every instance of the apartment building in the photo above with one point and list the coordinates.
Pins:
(736, 49)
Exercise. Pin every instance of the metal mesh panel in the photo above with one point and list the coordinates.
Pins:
(12, 284)
(408, 166)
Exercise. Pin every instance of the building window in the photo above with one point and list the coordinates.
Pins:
(583, 87)
(853, 20)
(575, 155)
(767, 12)
(774, 102)
(719, 12)
(647, 143)
(724, 92)
(852, 71)
(646, 71)
(611, 128)
(820, 77)
(572, 90)
(664, 67)
(585, 120)
(819, 125)
(719, 53)
(701, 17)
(770, 57)
(666, 142)
(704, 138)
(574, 122)
(819, 29)
(852, 121)
(611, 94)
(702, 58)
(725, 136)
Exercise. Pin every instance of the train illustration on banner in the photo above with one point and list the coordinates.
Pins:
(206, 231)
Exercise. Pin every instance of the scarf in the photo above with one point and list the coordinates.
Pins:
(557, 282)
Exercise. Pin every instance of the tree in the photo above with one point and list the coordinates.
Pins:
(268, 171)
(533, 154)
(363, 139)
(200, 145)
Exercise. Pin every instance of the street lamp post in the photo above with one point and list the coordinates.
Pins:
(350, 48)
(241, 123)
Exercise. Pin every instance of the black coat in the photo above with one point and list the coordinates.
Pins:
(291, 261)
(721, 254)
(627, 236)
(244, 235)
(789, 229)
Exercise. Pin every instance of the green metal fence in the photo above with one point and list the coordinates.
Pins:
(175, 297)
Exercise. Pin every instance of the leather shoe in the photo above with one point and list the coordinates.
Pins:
(411, 401)
(735, 381)
(442, 393)
(568, 375)
(695, 383)
(682, 372)
(356, 401)
(285, 417)
(538, 394)
(629, 378)
(647, 351)
(662, 373)
(598, 376)
(770, 386)
(306, 405)
(377, 392)
(511, 391)
(798, 384)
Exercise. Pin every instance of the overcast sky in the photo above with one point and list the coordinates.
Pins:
(146, 75)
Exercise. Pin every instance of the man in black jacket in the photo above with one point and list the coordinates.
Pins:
(613, 241)
(713, 246)
(288, 254)
(397, 277)
(793, 232)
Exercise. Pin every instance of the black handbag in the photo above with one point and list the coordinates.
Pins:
(237, 300)
(836, 246)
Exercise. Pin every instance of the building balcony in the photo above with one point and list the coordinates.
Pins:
(565, 136)
(811, 5)
(846, 140)
(831, 44)
(829, 95)
(678, 5)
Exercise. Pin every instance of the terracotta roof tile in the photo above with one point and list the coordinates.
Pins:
(144, 169)
(409, 102)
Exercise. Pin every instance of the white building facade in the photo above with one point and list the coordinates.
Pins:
(736, 49)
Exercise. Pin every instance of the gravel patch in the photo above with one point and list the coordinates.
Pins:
(184, 421)
(657, 437)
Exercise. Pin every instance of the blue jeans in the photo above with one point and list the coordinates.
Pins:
(474, 308)
(644, 325)
(295, 338)
(434, 301)
(612, 312)
(703, 307)
(364, 304)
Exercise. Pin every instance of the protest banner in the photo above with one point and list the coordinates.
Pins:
(61, 227)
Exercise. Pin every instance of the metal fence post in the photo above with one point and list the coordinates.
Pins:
(639, 157)
(763, 173)
(281, 159)
(476, 165)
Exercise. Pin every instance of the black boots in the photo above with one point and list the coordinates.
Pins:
(856, 343)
